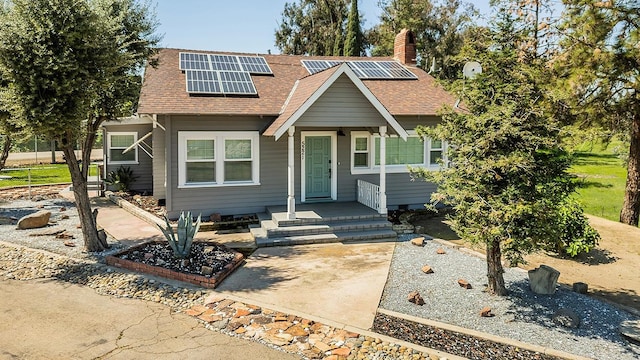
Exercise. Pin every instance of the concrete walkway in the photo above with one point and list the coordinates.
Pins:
(336, 283)
(340, 284)
(54, 320)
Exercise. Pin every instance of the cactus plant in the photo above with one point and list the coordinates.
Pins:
(181, 241)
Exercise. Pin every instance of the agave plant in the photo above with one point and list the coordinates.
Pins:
(181, 241)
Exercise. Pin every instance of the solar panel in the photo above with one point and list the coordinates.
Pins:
(254, 64)
(364, 69)
(369, 70)
(396, 70)
(237, 82)
(202, 82)
(194, 61)
(315, 66)
(225, 62)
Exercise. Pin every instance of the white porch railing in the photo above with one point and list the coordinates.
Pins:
(369, 194)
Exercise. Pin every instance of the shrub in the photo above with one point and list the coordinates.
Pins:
(121, 179)
(181, 243)
(575, 235)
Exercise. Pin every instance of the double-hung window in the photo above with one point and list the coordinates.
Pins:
(220, 158)
(117, 142)
(400, 154)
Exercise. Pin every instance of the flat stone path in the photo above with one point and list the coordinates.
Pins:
(46, 319)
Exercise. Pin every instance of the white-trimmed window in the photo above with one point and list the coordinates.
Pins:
(117, 142)
(365, 153)
(218, 158)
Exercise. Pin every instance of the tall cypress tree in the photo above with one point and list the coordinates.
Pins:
(353, 40)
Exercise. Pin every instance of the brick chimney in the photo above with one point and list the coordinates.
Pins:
(404, 47)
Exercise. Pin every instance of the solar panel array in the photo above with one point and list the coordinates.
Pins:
(222, 74)
(364, 69)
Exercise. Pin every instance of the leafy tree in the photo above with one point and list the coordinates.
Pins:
(353, 41)
(70, 65)
(507, 180)
(439, 29)
(598, 67)
(312, 27)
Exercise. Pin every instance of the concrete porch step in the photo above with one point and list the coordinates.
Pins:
(363, 236)
(311, 219)
(314, 229)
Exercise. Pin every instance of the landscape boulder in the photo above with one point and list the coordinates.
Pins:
(580, 287)
(36, 220)
(631, 330)
(567, 318)
(543, 280)
(419, 241)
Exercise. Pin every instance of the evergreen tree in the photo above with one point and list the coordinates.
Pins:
(598, 71)
(353, 40)
(311, 27)
(507, 179)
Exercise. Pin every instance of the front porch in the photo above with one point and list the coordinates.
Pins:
(322, 223)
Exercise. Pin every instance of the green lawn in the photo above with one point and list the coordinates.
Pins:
(602, 178)
(40, 174)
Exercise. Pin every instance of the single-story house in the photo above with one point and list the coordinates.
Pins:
(235, 133)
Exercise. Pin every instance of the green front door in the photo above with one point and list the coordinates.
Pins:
(318, 167)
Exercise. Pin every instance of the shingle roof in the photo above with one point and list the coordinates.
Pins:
(164, 90)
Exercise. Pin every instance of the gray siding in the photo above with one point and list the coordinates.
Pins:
(143, 170)
(341, 105)
(401, 190)
(159, 161)
(230, 199)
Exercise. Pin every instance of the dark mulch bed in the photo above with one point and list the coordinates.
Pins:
(451, 342)
(211, 255)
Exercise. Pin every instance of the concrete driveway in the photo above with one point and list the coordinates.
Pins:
(47, 319)
(339, 283)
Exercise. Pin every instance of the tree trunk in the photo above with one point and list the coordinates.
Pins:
(494, 269)
(631, 206)
(6, 146)
(79, 180)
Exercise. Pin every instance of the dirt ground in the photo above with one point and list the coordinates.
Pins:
(611, 270)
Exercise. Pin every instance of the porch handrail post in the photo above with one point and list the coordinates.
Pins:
(383, 171)
(291, 196)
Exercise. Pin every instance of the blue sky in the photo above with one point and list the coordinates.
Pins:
(236, 25)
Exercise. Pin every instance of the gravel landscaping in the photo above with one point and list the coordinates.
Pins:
(523, 315)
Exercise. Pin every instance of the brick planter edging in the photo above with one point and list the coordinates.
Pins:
(200, 280)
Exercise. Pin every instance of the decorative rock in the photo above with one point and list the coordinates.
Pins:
(64, 235)
(580, 287)
(206, 270)
(296, 330)
(160, 262)
(343, 351)
(427, 269)
(69, 244)
(567, 318)
(64, 217)
(419, 241)
(148, 256)
(631, 330)
(440, 251)
(486, 312)
(322, 346)
(415, 298)
(36, 220)
(464, 284)
(63, 209)
(543, 280)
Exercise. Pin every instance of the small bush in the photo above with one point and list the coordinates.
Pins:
(575, 234)
(121, 179)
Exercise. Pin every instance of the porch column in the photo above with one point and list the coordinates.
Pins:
(383, 171)
(291, 198)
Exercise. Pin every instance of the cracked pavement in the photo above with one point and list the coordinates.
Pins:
(48, 319)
